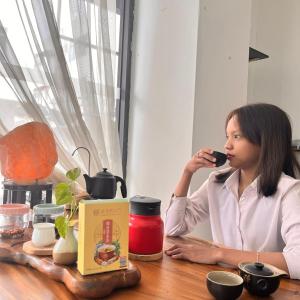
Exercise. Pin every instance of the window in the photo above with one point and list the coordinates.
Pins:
(12, 113)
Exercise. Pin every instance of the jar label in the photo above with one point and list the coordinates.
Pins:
(107, 231)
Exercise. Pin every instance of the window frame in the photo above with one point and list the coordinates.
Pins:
(126, 9)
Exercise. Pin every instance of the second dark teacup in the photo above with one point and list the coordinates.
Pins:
(224, 285)
(221, 158)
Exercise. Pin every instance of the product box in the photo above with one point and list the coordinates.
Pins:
(103, 235)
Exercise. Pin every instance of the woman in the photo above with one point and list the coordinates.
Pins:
(254, 206)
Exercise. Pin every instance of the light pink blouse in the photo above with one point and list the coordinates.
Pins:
(253, 222)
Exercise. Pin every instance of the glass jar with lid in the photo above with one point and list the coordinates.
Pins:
(47, 213)
(14, 219)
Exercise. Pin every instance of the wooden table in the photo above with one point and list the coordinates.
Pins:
(167, 279)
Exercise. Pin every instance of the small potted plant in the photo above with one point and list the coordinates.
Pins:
(65, 250)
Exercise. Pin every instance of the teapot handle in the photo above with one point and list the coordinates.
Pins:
(123, 186)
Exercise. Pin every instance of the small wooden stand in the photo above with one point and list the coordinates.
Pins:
(29, 248)
(150, 257)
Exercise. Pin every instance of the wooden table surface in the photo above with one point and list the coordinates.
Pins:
(167, 279)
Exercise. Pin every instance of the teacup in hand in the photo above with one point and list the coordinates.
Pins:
(221, 158)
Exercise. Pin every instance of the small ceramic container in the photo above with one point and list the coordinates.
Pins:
(43, 234)
(224, 285)
(221, 158)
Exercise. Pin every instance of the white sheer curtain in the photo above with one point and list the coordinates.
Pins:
(58, 61)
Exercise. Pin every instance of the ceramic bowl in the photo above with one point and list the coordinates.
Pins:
(224, 285)
(221, 158)
(106, 252)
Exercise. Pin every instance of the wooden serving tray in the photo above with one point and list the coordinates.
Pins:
(88, 286)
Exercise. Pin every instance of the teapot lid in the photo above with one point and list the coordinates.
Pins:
(104, 173)
(258, 268)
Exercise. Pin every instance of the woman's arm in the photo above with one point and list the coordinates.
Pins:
(212, 255)
(182, 187)
(202, 158)
(185, 212)
(290, 230)
(234, 257)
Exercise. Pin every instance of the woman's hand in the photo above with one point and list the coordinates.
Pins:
(202, 158)
(203, 254)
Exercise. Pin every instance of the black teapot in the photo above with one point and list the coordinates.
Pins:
(104, 185)
(260, 279)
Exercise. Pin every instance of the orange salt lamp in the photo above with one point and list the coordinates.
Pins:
(28, 152)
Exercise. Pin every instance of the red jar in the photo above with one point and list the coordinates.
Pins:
(146, 228)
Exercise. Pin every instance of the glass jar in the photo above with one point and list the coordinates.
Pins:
(14, 219)
(47, 213)
(146, 228)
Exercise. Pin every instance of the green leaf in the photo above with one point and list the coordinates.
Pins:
(73, 174)
(63, 193)
(61, 223)
(117, 245)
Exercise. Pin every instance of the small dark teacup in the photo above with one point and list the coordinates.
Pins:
(224, 285)
(221, 158)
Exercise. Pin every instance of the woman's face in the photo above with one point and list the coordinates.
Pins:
(241, 153)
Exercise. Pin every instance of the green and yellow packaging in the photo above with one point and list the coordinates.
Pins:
(103, 235)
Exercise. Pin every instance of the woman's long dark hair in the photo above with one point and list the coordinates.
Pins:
(269, 127)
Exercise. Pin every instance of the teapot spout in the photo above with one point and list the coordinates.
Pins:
(280, 272)
(88, 183)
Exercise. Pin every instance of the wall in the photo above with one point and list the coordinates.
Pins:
(162, 95)
(188, 72)
(265, 81)
(276, 31)
(222, 74)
